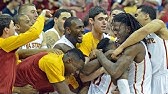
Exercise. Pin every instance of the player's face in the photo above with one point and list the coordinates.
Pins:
(11, 28)
(61, 19)
(140, 16)
(74, 67)
(77, 30)
(121, 31)
(100, 23)
(113, 13)
(24, 23)
(32, 13)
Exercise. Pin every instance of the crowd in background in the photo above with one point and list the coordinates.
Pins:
(80, 8)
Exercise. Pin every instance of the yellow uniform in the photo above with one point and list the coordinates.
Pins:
(14, 42)
(40, 70)
(88, 44)
(53, 67)
(8, 58)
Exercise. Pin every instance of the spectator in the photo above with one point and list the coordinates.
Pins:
(11, 7)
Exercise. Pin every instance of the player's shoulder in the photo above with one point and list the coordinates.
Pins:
(138, 47)
(155, 21)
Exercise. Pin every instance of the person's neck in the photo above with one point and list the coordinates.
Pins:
(97, 35)
(71, 39)
(4, 36)
(59, 32)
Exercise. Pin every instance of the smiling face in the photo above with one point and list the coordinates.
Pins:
(24, 24)
(121, 31)
(31, 12)
(77, 30)
(73, 64)
(74, 67)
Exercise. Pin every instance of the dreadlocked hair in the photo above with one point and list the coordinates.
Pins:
(128, 20)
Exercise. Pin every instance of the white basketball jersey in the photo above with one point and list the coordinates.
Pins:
(36, 44)
(102, 85)
(64, 40)
(158, 50)
(140, 76)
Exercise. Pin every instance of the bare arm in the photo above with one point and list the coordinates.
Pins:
(28, 89)
(122, 64)
(44, 44)
(62, 47)
(156, 26)
(62, 88)
(93, 75)
(90, 67)
(93, 65)
(24, 53)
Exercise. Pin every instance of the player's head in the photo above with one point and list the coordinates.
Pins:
(98, 19)
(60, 16)
(7, 27)
(22, 23)
(106, 44)
(73, 60)
(74, 29)
(113, 12)
(145, 13)
(123, 25)
(29, 10)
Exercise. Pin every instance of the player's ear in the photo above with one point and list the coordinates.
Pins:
(17, 26)
(6, 30)
(147, 16)
(67, 30)
(91, 21)
(128, 29)
(55, 19)
(69, 60)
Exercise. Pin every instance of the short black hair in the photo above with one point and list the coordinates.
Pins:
(94, 11)
(103, 44)
(5, 21)
(77, 53)
(68, 21)
(86, 20)
(149, 10)
(59, 11)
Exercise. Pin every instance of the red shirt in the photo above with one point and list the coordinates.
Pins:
(28, 72)
(7, 71)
